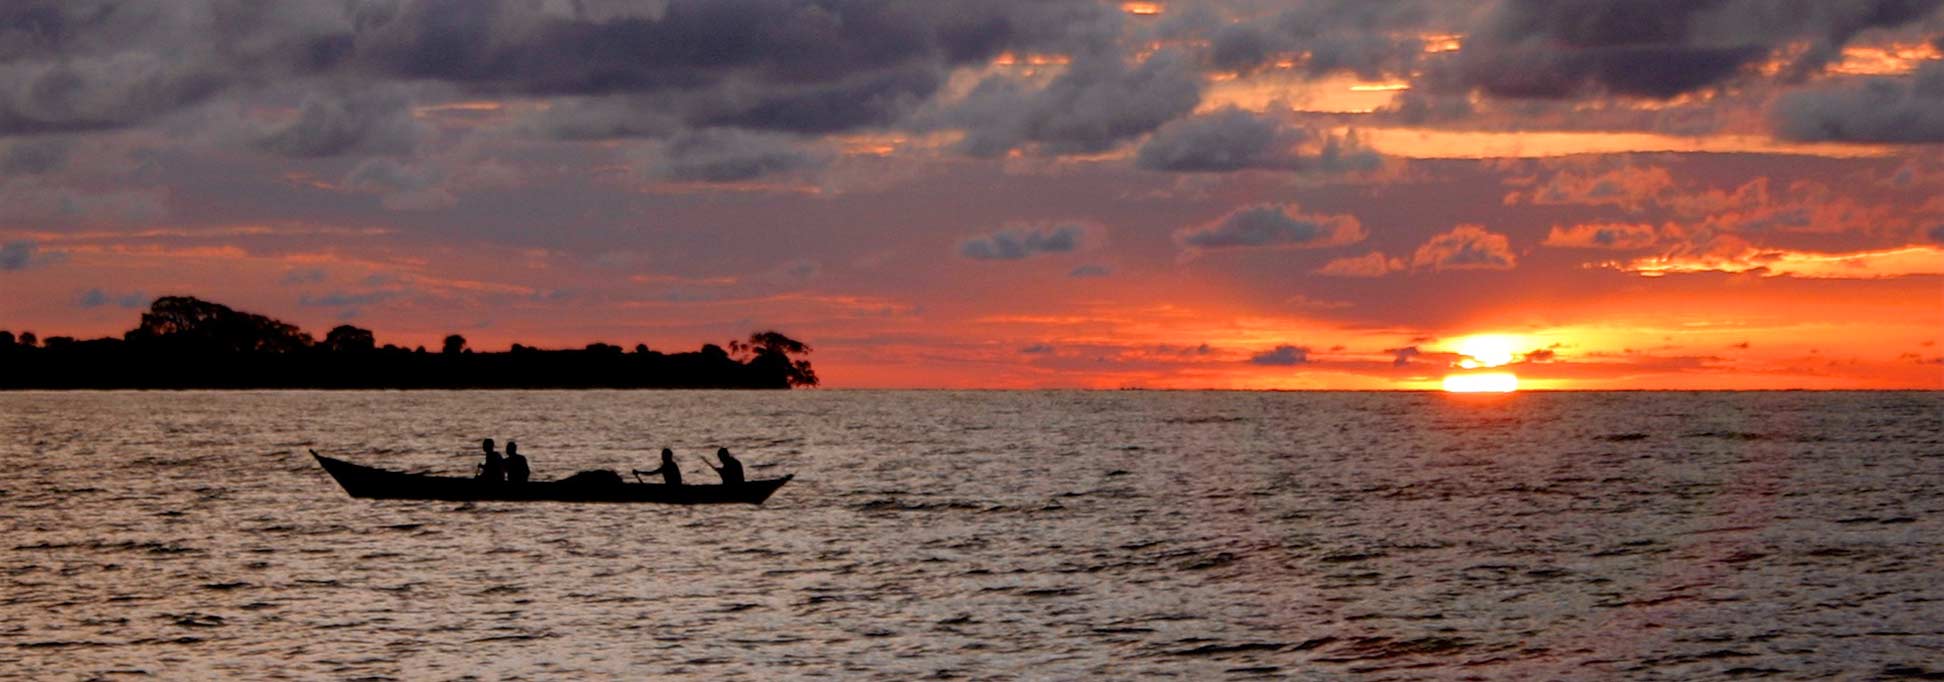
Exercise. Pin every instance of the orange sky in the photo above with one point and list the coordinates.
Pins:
(1149, 194)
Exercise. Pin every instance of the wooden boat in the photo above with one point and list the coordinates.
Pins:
(373, 483)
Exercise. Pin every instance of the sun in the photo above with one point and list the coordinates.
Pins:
(1486, 350)
(1482, 382)
(1482, 351)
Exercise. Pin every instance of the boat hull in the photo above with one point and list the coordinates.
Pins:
(378, 484)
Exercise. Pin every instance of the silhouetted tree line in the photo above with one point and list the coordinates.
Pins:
(184, 342)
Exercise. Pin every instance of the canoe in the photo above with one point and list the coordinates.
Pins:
(372, 483)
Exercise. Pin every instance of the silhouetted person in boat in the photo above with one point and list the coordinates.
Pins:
(495, 467)
(730, 471)
(516, 464)
(670, 473)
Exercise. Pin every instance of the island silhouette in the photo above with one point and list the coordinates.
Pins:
(185, 342)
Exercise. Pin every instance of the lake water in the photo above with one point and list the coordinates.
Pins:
(985, 535)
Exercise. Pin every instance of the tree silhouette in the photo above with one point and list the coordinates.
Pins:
(714, 353)
(184, 342)
(801, 374)
(190, 323)
(772, 354)
(345, 338)
(778, 343)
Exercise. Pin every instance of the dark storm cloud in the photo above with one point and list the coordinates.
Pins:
(1019, 243)
(1416, 108)
(729, 155)
(1370, 38)
(797, 65)
(1241, 47)
(1631, 70)
(87, 65)
(1554, 49)
(653, 69)
(95, 94)
(1549, 49)
(520, 48)
(601, 118)
(1098, 103)
(1226, 140)
(401, 186)
(1233, 139)
(1282, 356)
(1272, 225)
(385, 175)
(1881, 110)
(370, 122)
(874, 99)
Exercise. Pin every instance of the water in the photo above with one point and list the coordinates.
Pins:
(985, 535)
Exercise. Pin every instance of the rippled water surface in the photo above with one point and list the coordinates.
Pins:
(987, 535)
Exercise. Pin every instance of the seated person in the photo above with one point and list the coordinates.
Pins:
(731, 470)
(495, 468)
(516, 464)
(670, 473)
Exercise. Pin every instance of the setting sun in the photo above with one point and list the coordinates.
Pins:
(1483, 351)
(1486, 350)
(1484, 382)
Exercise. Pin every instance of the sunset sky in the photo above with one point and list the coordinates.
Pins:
(1326, 194)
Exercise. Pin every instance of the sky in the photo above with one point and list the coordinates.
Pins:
(1337, 194)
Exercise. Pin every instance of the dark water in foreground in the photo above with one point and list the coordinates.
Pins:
(990, 535)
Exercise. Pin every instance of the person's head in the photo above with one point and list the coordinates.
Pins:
(722, 452)
(512, 447)
(486, 445)
(667, 453)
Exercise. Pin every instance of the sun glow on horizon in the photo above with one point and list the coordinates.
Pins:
(1481, 351)
(1481, 382)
